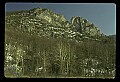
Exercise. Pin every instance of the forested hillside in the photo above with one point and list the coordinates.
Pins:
(42, 44)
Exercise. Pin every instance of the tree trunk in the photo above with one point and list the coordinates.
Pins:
(44, 63)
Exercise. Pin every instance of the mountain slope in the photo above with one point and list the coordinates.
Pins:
(44, 22)
(112, 36)
(41, 43)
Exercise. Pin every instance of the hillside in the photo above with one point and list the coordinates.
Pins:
(42, 43)
(44, 22)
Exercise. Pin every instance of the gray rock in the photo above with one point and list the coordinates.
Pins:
(84, 26)
(45, 22)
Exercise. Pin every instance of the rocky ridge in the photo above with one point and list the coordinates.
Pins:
(44, 22)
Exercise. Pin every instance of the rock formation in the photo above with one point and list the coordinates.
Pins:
(46, 23)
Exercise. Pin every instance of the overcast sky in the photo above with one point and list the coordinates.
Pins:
(103, 15)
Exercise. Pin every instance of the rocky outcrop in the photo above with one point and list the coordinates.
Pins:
(84, 26)
(44, 22)
(49, 16)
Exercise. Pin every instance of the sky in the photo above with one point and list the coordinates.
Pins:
(102, 15)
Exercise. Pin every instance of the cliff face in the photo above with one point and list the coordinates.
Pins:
(44, 22)
(84, 26)
(49, 16)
